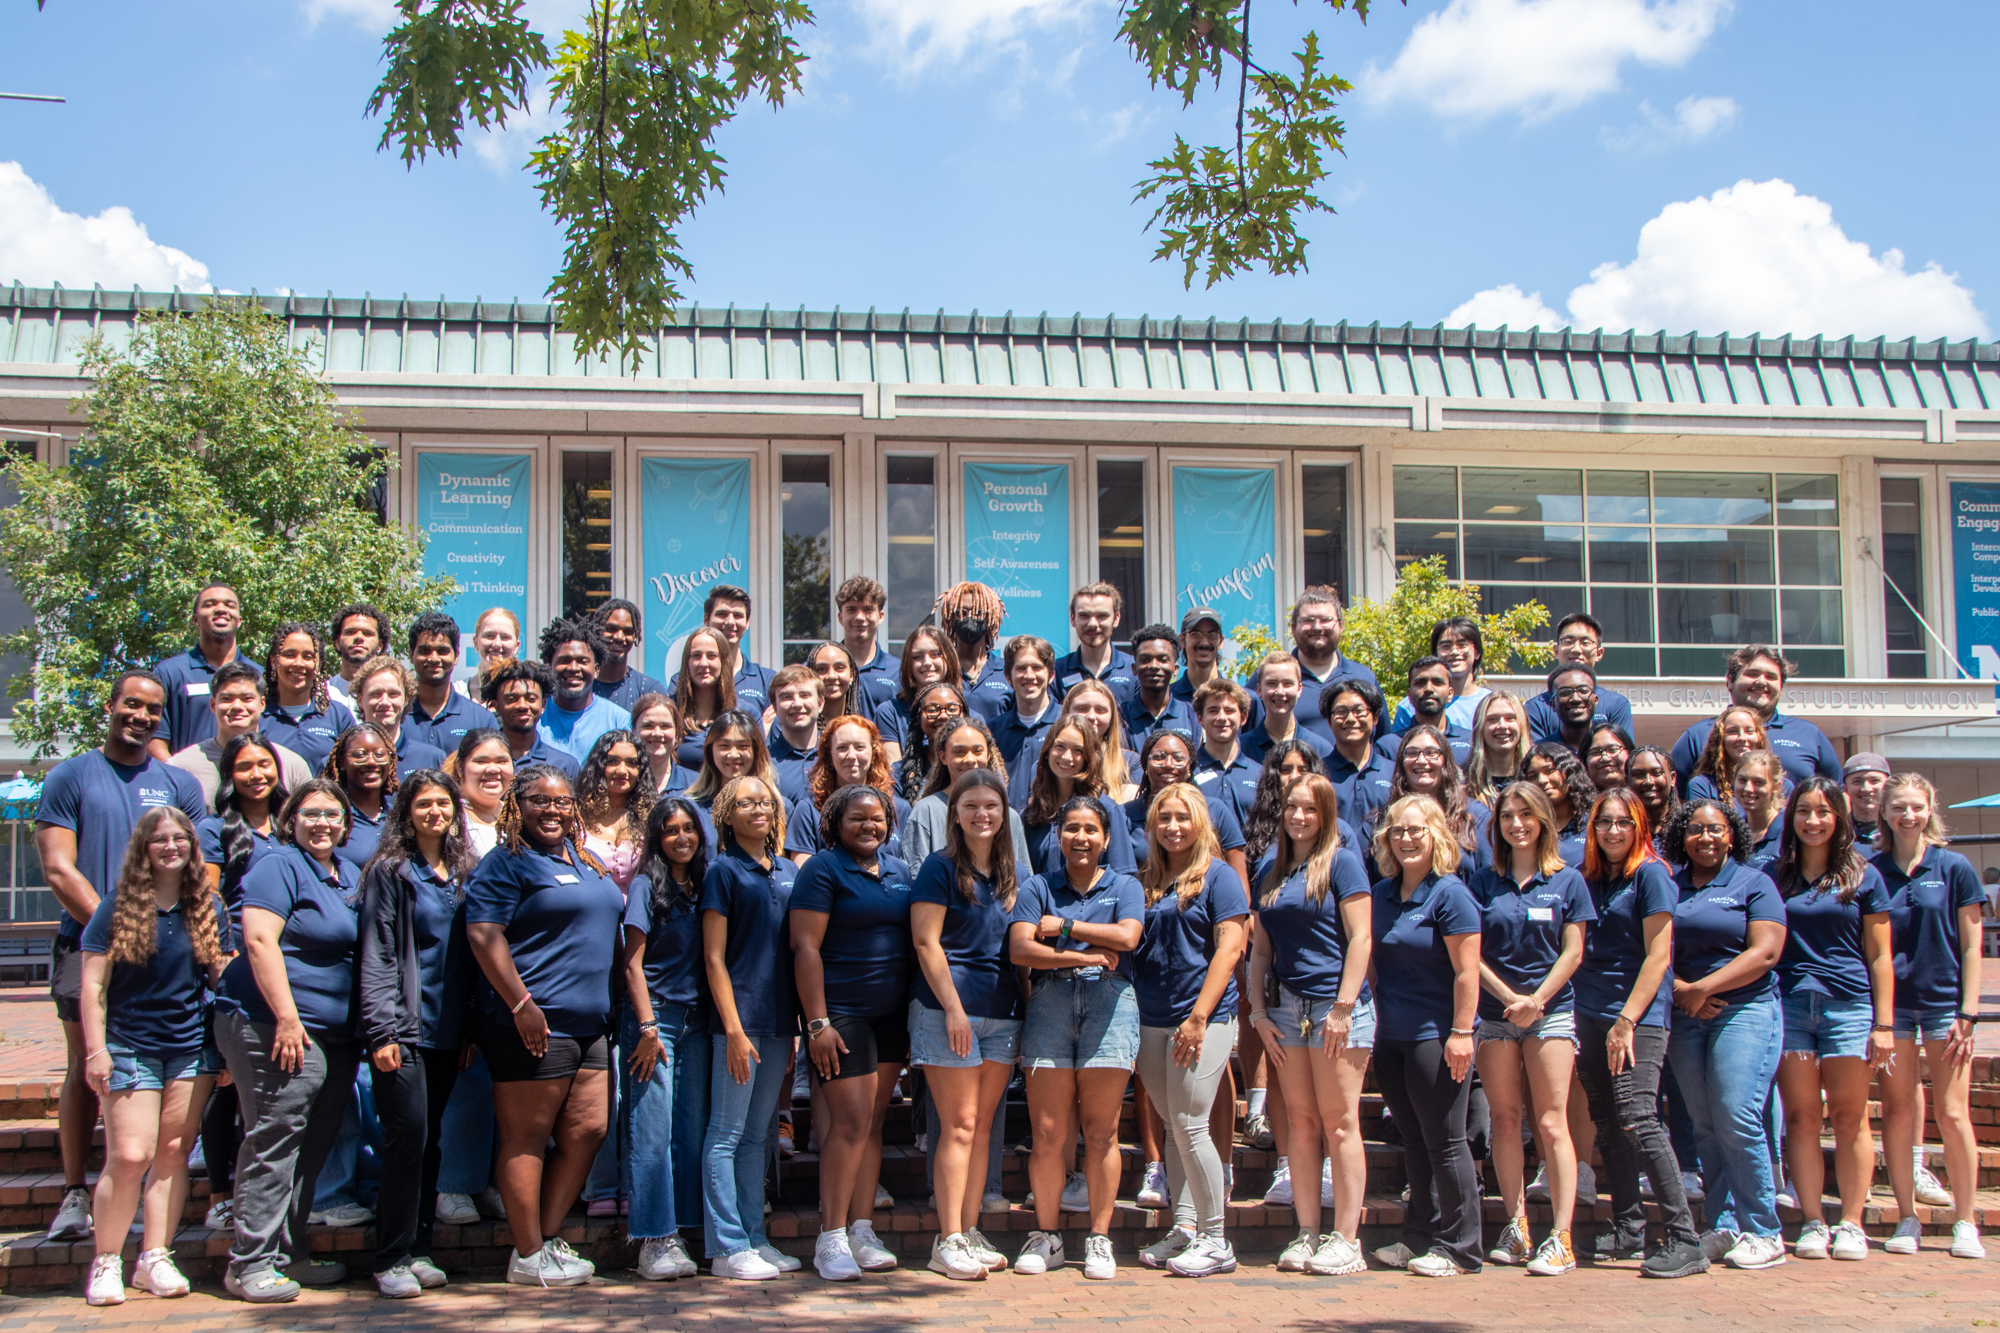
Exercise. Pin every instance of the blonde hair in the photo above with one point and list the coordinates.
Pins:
(1444, 847)
(1111, 758)
(393, 665)
(1319, 860)
(1934, 834)
(1477, 779)
(1154, 875)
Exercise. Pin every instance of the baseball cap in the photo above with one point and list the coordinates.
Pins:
(1867, 762)
(1199, 614)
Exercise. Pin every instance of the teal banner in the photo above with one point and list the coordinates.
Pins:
(1225, 544)
(694, 517)
(1975, 564)
(1017, 543)
(475, 513)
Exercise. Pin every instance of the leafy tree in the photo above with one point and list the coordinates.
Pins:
(1252, 642)
(641, 88)
(1391, 634)
(808, 590)
(212, 452)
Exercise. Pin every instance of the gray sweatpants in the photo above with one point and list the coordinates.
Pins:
(290, 1122)
(1183, 1097)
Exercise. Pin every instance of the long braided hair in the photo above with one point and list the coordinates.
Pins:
(239, 840)
(918, 756)
(593, 795)
(135, 927)
(316, 693)
(507, 828)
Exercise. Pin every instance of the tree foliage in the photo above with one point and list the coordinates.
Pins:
(212, 453)
(1389, 635)
(641, 88)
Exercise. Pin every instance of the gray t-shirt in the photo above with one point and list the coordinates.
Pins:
(199, 762)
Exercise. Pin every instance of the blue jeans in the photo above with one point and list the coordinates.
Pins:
(607, 1175)
(1725, 1065)
(738, 1139)
(663, 1122)
(467, 1135)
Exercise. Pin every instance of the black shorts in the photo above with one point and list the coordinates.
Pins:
(881, 1040)
(507, 1055)
(66, 979)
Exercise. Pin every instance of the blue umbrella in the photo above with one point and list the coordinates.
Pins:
(20, 797)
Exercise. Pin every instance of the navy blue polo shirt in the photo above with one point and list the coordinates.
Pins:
(1139, 723)
(1116, 898)
(1256, 742)
(1234, 785)
(156, 1007)
(678, 780)
(881, 677)
(1021, 773)
(793, 765)
(1480, 820)
(1170, 966)
(364, 835)
(1308, 941)
(1310, 685)
(1413, 973)
(209, 833)
(102, 802)
(1923, 924)
(687, 754)
(1013, 733)
(1521, 931)
(1045, 843)
(633, 686)
(974, 939)
(560, 919)
(1362, 790)
(1801, 747)
(1613, 710)
(541, 752)
(1712, 924)
(186, 720)
(802, 830)
(758, 955)
(1228, 831)
(307, 731)
(322, 928)
(1823, 939)
(437, 919)
(867, 955)
(447, 727)
(1183, 689)
(413, 753)
(1614, 949)
(675, 973)
(1117, 674)
(988, 693)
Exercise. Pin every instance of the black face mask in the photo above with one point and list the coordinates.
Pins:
(971, 632)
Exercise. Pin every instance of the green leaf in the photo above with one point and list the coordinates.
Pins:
(1389, 635)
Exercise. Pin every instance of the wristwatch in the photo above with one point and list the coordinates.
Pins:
(815, 1026)
(1068, 922)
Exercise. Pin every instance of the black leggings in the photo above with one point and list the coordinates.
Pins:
(1443, 1213)
(1625, 1109)
(410, 1104)
(220, 1136)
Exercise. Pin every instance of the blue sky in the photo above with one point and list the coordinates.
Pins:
(980, 154)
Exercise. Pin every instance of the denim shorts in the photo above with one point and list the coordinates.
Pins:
(1562, 1025)
(993, 1039)
(1828, 1025)
(1293, 1011)
(136, 1071)
(1081, 1018)
(1930, 1024)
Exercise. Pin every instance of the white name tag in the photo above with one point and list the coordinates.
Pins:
(1541, 914)
(197, 688)
(1071, 680)
(1206, 775)
(568, 879)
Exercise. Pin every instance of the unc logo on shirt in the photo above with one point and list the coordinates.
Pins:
(149, 797)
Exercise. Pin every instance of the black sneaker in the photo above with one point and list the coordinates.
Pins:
(1610, 1245)
(1678, 1257)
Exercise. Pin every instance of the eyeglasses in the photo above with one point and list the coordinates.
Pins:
(1350, 712)
(320, 816)
(1430, 753)
(1707, 831)
(1576, 641)
(757, 805)
(1575, 691)
(549, 802)
(170, 840)
(1604, 751)
(937, 710)
(1612, 825)
(1406, 832)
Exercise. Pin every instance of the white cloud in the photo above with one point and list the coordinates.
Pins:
(372, 15)
(1758, 257)
(1694, 119)
(40, 244)
(1505, 305)
(914, 34)
(1482, 58)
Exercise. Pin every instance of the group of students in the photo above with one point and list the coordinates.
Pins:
(639, 904)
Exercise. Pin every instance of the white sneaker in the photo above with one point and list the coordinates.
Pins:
(868, 1249)
(1208, 1254)
(1294, 1257)
(1076, 1194)
(221, 1215)
(343, 1215)
(1166, 1247)
(1586, 1183)
(656, 1263)
(1756, 1252)
(1814, 1241)
(1153, 1190)
(951, 1257)
(833, 1260)
(543, 1268)
(1717, 1244)
(1930, 1190)
(156, 1272)
(991, 1203)
(1395, 1256)
(456, 1210)
(1098, 1261)
(1326, 1182)
(982, 1249)
(1691, 1186)
(1044, 1251)
(1850, 1242)
(197, 1158)
(1908, 1232)
(744, 1266)
(429, 1276)
(1538, 1188)
(73, 1217)
(1336, 1256)
(785, 1263)
(1787, 1196)
(1965, 1241)
(1280, 1193)
(883, 1199)
(106, 1284)
(568, 1262)
(398, 1283)
(1435, 1264)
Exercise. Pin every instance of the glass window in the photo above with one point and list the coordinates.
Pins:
(1629, 662)
(1621, 555)
(1121, 536)
(1420, 541)
(1523, 494)
(1523, 551)
(586, 529)
(1625, 613)
(806, 491)
(1714, 555)
(1323, 511)
(1619, 497)
(1809, 501)
(1810, 616)
(1902, 561)
(1810, 557)
(1711, 497)
(1728, 616)
(911, 569)
(1426, 492)
(1560, 599)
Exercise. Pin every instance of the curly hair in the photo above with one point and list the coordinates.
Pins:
(582, 630)
(506, 671)
(1451, 795)
(735, 722)
(958, 851)
(915, 773)
(821, 780)
(1045, 799)
(239, 840)
(723, 811)
(653, 862)
(317, 697)
(1673, 838)
(1577, 784)
(1155, 876)
(837, 805)
(399, 833)
(1714, 762)
(593, 798)
(135, 927)
(394, 666)
(507, 827)
(1843, 864)
(971, 601)
(335, 767)
(1264, 825)
(940, 778)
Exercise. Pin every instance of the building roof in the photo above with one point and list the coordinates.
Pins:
(48, 326)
